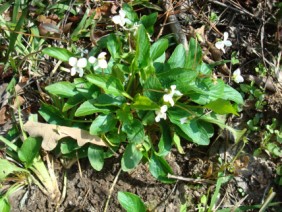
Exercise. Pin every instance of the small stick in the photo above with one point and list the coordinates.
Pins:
(166, 198)
(111, 190)
(191, 180)
(239, 10)
(175, 27)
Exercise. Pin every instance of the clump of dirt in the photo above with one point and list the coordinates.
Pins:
(89, 190)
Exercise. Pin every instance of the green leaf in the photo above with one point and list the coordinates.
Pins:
(203, 91)
(86, 88)
(96, 157)
(148, 21)
(75, 34)
(73, 101)
(177, 59)
(11, 86)
(4, 205)
(130, 13)
(62, 89)
(10, 168)
(58, 53)
(88, 108)
(232, 94)
(52, 115)
(179, 77)
(221, 106)
(196, 130)
(177, 142)
(143, 103)
(131, 202)
(109, 100)
(124, 115)
(148, 4)
(194, 57)
(274, 149)
(134, 131)
(151, 87)
(103, 124)
(114, 46)
(109, 84)
(165, 143)
(220, 121)
(158, 48)
(131, 157)
(68, 145)
(159, 168)
(29, 150)
(15, 34)
(204, 69)
(142, 58)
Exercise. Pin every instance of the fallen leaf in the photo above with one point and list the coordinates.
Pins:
(19, 101)
(3, 115)
(52, 133)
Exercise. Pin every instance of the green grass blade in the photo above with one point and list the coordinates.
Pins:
(14, 34)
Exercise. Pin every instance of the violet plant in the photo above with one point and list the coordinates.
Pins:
(135, 97)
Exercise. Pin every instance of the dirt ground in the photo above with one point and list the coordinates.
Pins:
(89, 190)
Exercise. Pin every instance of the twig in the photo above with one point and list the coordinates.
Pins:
(191, 180)
(78, 164)
(83, 202)
(111, 190)
(166, 198)
(175, 27)
(240, 10)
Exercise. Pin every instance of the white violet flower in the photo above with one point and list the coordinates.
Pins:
(237, 76)
(173, 92)
(102, 62)
(120, 19)
(224, 42)
(77, 65)
(183, 120)
(161, 114)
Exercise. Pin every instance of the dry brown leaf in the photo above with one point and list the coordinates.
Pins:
(51, 133)
(3, 115)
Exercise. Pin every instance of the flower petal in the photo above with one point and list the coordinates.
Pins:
(237, 72)
(116, 19)
(82, 63)
(177, 93)
(173, 87)
(73, 71)
(72, 61)
(219, 45)
(92, 59)
(227, 43)
(163, 108)
(102, 55)
(225, 36)
(122, 13)
(80, 71)
(102, 64)
(238, 79)
(157, 118)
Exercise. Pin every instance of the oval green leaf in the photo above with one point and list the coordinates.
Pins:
(62, 89)
(131, 202)
(58, 53)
